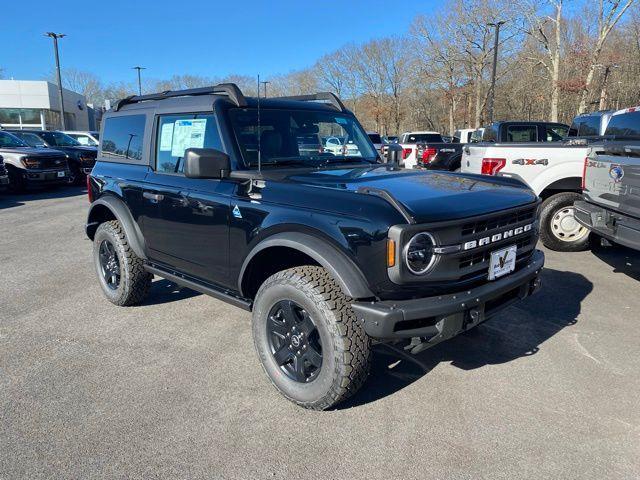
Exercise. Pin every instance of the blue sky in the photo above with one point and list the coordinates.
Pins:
(209, 38)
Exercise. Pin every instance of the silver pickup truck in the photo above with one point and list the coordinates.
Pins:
(611, 182)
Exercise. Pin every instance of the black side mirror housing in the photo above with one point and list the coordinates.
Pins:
(206, 163)
(394, 153)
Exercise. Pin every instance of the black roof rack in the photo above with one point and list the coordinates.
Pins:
(230, 89)
(332, 97)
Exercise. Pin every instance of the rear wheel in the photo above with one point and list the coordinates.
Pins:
(120, 271)
(559, 229)
(307, 338)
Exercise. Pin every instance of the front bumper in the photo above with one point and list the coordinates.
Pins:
(442, 317)
(45, 177)
(612, 225)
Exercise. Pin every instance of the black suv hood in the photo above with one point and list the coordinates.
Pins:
(33, 151)
(427, 195)
(79, 150)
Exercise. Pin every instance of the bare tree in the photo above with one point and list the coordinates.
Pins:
(546, 30)
(609, 14)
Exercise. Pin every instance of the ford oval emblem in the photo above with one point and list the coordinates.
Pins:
(616, 172)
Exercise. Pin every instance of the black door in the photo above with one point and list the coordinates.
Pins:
(186, 224)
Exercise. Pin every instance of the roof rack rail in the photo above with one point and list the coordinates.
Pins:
(332, 97)
(230, 89)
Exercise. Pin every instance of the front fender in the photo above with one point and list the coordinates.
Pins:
(337, 263)
(117, 208)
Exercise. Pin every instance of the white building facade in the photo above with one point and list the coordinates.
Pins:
(36, 105)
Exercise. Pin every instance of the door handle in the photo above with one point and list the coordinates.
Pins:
(156, 197)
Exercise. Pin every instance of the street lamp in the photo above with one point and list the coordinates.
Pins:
(265, 87)
(55, 37)
(492, 90)
(139, 80)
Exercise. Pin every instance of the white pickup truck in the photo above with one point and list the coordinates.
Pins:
(552, 169)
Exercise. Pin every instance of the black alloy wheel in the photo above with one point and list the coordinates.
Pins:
(294, 341)
(109, 264)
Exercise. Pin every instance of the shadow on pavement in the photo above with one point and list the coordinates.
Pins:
(8, 200)
(164, 291)
(516, 332)
(621, 259)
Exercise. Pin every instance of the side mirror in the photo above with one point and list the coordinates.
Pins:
(394, 153)
(206, 163)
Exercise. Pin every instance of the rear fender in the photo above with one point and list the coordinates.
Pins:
(108, 207)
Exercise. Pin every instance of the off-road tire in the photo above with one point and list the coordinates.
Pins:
(550, 207)
(346, 354)
(134, 280)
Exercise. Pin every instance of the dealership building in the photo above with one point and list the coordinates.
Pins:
(36, 105)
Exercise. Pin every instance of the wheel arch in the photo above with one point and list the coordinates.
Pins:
(568, 184)
(109, 208)
(296, 249)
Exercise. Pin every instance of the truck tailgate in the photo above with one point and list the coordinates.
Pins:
(612, 179)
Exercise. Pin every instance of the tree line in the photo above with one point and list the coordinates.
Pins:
(557, 58)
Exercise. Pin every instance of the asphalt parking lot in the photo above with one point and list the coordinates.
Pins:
(173, 389)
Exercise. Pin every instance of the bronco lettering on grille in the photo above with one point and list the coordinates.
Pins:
(496, 237)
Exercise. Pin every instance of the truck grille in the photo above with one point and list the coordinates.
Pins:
(501, 221)
(55, 162)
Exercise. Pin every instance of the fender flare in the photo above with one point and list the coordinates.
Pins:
(338, 264)
(119, 210)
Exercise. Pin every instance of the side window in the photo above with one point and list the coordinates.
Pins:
(176, 133)
(522, 133)
(556, 133)
(123, 137)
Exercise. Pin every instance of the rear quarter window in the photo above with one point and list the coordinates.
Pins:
(624, 125)
(123, 138)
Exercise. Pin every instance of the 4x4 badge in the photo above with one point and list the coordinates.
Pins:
(236, 212)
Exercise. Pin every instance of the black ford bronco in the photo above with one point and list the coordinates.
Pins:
(330, 249)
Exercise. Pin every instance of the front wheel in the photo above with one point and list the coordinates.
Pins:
(559, 229)
(308, 339)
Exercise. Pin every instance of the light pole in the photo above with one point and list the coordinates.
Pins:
(492, 91)
(139, 79)
(55, 37)
(265, 87)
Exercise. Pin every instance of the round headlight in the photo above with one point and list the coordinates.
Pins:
(418, 253)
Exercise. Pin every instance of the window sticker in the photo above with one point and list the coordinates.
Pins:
(188, 134)
(166, 137)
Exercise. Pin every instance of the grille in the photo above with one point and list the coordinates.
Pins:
(473, 228)
(482, 257)
(3, 170)
(51, 161)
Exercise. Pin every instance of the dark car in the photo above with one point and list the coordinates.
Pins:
(31, 167)
(81, 158)
(4, 176)
(208, 188)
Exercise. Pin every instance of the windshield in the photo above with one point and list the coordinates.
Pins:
(8, 141)
(310, 137)
(58, 139)
(30, 139)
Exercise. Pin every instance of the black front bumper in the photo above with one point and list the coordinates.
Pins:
(45, 177)
(612, 225)
(442, 317)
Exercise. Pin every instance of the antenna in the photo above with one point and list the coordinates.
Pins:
(259, 133)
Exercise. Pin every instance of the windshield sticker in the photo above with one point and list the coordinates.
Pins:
(342, 121)
(166, 137)
(188, 134)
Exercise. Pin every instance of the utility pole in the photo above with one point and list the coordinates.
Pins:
(265, 87)
(492, 91)
(139, 79)
(55, 37)
(603, 90)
